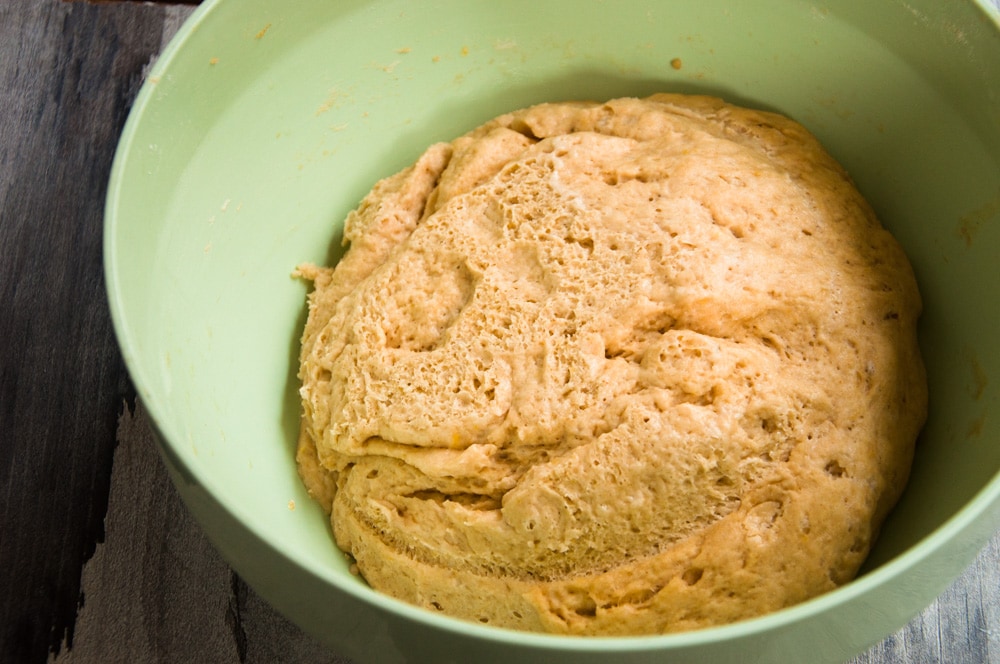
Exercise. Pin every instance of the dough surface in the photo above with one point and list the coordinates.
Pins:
(631, 367)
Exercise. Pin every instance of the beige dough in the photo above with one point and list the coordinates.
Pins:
(630, 367)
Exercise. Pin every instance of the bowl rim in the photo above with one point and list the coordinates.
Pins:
(986, 498)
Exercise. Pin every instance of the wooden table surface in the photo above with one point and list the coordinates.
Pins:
(99, 560)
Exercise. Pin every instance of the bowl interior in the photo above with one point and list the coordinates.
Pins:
(264, 123)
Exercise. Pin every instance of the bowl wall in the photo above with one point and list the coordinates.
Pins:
(264, 123)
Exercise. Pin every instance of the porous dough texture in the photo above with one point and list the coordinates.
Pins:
(632, 367)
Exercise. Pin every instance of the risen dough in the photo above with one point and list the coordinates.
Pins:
(622, 368)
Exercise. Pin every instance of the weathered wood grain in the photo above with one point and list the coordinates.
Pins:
(67, 73)
(156, 590)
(961, 626)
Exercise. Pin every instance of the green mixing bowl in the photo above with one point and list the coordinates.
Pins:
(264, 122)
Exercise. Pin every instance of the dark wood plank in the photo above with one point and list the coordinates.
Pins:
(160, 2)
(156, 590)
(67, 74)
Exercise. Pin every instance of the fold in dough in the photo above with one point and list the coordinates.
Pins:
(624, 368)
